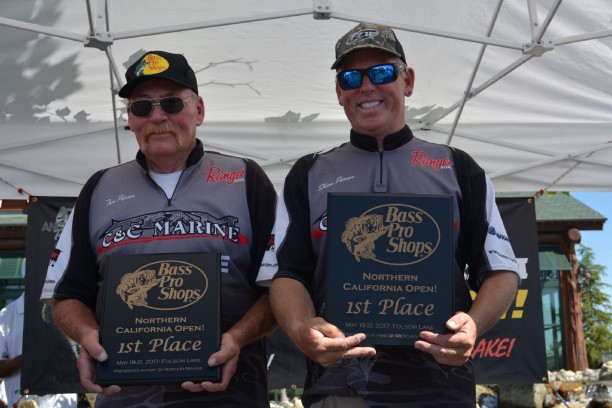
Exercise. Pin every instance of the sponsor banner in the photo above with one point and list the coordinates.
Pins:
(513, 351)
(49, 357)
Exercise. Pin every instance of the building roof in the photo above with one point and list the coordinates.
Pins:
(562, 210)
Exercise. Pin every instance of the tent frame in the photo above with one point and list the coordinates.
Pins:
(101, 38)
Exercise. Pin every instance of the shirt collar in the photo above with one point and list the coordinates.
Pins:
(390, 142)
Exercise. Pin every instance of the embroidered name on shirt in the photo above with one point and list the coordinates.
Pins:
(339, 179)
(120, 197)
(216, 174)
(420, 159)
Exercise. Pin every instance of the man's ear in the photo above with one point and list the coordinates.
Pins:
(409, 81)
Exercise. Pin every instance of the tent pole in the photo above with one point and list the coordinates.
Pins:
(583, 37)
(524, 148)
(212, 23)
(113, 74)
(38, 29)
(114, 102)
(558, 158)
(431, 31)
(466, 94)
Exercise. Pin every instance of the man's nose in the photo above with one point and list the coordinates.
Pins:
(157, 113)
(366, 83)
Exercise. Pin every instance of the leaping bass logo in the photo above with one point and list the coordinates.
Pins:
(392, 234)
(163, 285)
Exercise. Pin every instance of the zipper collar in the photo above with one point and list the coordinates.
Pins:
(390, 142)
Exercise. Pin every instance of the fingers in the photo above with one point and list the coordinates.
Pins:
(453, 356)
(327, 329)
(454, 348)
(326, 344)
(228, 350)
(460, 321)
(92, 345)
(357, 352)
(87, 370)
(227, 372)
(86, 367)
(227, 357)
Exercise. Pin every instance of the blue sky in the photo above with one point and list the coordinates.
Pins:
(600, 241)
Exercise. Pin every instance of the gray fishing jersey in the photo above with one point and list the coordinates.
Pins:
(220, 204)
(395, 377)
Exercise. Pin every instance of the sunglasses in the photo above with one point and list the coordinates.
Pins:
(171, 105)
(378, 74)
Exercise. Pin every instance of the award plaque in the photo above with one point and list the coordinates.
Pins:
(160, 319)
(390, 265)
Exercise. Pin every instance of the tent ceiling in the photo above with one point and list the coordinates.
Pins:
(536, 74)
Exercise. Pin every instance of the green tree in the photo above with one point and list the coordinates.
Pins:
(596, 307)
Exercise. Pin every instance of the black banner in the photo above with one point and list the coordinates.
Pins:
(49, 357)
(513, 351)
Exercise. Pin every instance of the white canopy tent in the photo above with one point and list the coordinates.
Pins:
(525, 86)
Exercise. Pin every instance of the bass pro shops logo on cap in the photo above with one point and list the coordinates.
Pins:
(159, 64)
(151, 64)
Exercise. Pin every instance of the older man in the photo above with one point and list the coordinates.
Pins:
(172, 175)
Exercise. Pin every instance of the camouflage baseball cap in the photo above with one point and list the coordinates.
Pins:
(159, 64)
(366, 35)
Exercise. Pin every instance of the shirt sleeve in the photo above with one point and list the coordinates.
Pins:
(75, 273)
(497, 248)
(295, 255)
(58, 262)
(261, 198)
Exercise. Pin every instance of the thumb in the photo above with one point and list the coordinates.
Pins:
(455, 322)
(94, 350)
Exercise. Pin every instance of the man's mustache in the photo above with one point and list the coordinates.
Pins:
(157, 128)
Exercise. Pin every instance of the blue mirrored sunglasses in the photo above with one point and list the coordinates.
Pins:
(378, 75)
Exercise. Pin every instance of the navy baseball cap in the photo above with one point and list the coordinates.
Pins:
(159, 64)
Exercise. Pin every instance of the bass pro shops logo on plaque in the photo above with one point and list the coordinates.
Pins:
(405, 235)
(163, 285)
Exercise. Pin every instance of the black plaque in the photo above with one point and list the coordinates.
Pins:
(390, 265)
(160, 320)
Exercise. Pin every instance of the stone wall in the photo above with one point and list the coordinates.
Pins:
(589, 388)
